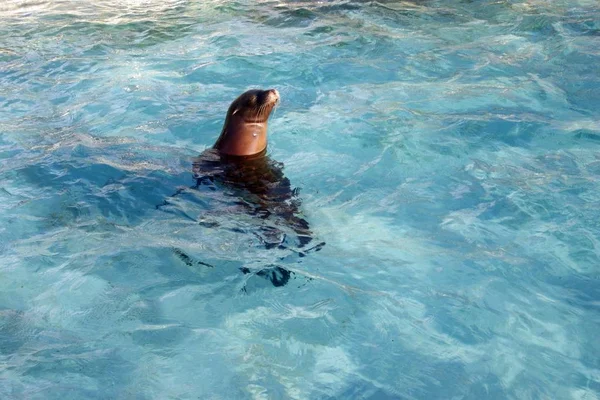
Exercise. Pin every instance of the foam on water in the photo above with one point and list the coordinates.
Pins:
(447, 151)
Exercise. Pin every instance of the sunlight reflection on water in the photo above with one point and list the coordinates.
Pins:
(446, 151)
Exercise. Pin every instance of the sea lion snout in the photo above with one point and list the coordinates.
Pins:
(272, 96)
(258, 103)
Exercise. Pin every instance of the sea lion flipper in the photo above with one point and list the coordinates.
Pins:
(187, 260)
(277, 275)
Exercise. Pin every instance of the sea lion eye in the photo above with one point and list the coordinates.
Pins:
(252, 100)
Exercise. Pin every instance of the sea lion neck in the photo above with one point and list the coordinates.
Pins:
(240, 138)
(228, 158)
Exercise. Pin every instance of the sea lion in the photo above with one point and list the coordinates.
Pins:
(238, 162)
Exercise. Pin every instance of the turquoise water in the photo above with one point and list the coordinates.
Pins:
(448, 153)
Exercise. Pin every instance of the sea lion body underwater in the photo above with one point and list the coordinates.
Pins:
(238, 161)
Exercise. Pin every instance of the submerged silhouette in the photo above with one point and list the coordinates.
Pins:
(262, 189)
(238, 165)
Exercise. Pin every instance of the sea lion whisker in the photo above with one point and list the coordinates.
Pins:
(257, 113)
(261, 111)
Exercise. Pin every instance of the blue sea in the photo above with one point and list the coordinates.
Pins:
(446, 151)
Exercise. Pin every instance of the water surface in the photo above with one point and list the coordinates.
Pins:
(447, 151)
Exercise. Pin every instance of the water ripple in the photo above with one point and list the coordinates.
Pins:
(446, 151)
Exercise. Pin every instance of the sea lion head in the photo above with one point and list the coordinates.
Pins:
(245, 130)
